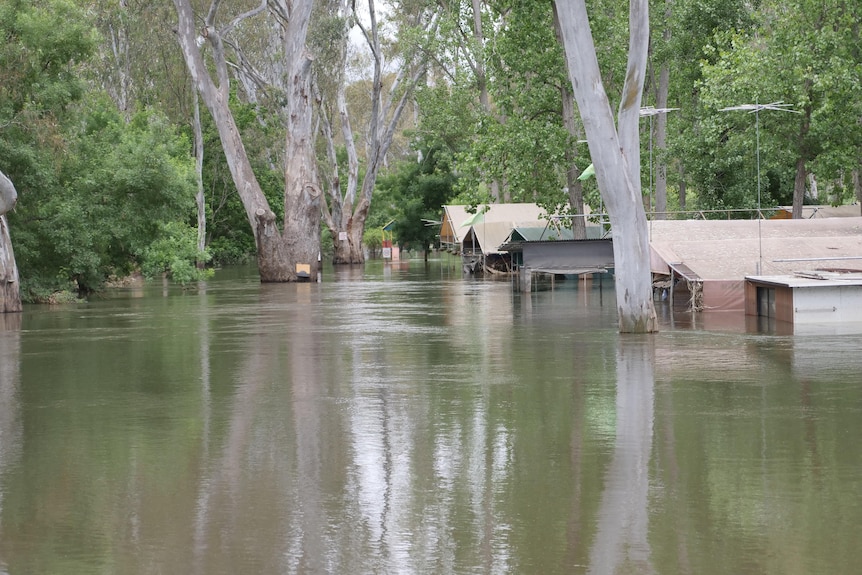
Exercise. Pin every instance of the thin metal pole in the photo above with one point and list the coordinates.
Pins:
(759, 214)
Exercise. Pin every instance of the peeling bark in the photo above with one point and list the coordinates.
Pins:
(279, 252)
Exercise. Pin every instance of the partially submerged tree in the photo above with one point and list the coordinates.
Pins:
(615, 150)
(347, 203)
(10, 297)
(281, 252)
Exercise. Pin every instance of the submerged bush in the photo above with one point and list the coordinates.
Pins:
(175, 253)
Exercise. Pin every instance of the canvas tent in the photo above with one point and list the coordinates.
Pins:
(478, 236)
(488, 222)
(715, 256)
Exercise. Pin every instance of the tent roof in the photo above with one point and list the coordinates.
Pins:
(452, 230)
(491, 235)
(730, 249)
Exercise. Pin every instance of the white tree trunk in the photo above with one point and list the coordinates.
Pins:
(10, 296)
(346, 214)
(615, 152)
(200, 199)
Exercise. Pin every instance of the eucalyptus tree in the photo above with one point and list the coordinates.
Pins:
(660, 81)
(396, 66)
(615, 151)
(281, 251)
(804, 54)
(137, 62)
(460, 55)
(139, 66)
(524, 128)
(10, 296)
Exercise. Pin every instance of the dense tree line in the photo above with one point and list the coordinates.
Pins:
(98, 123)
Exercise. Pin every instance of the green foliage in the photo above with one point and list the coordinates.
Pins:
(43, 42)
(416, 191)
(175, 253)
(798, 54)
(521, 142)
(113, 191)
(372, 238)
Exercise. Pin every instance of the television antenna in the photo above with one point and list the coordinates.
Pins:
(755, 109)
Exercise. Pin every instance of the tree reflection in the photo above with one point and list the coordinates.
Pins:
(10, 424)
(623, 520)
(268, 476)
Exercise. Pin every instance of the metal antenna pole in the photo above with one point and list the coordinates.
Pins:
(652, 111)
(755, 108)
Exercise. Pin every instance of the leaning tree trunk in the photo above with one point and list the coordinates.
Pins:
(615, 151)
(10, 297)
(346, 214)
(281, 255)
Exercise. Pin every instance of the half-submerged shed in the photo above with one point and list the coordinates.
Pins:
(552, 250)
(714, 257)
(806, 298)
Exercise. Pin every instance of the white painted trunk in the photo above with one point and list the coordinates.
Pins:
(615, 151)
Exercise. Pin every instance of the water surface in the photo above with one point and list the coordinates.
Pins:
(407, 420)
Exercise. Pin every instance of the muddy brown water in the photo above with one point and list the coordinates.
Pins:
(404, 419)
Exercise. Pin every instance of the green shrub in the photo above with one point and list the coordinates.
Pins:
(175, 253)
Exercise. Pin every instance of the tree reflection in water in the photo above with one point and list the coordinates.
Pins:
(623, 520)
(10, 423)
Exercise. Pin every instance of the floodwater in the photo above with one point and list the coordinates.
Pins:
(404, 420)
